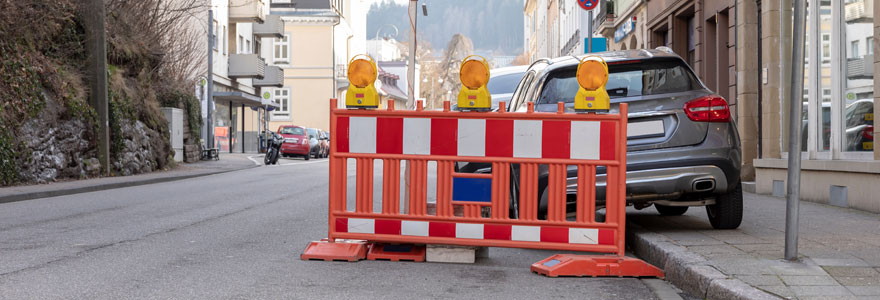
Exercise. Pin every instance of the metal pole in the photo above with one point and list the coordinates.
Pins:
(589, 32)
(794, 132)
(242, 128)
(230, 134)
(411, 68)
(209, 122)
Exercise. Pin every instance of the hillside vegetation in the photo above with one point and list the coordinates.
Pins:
(47, 127)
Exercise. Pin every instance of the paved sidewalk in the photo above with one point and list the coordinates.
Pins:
(839, 250)
(228, 162)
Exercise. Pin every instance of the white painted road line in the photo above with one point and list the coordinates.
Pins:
(304, 162)
(256, 162)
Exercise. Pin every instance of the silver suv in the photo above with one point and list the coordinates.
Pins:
(683, 148)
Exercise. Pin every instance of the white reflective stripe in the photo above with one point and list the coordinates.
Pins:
(525, 233)
(527, 138)
(468, 231)
(416, 228)
(362, 226)
(471, 137)
(585, 139)
(362, 135)
(417, 136)
(583, 236)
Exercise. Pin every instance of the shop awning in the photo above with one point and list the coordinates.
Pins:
(238, 98)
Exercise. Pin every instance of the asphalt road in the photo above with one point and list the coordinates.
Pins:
(238, 235)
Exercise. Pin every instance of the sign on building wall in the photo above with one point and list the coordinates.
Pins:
(624, 29)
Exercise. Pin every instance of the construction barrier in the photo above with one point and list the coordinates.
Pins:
(501, 139)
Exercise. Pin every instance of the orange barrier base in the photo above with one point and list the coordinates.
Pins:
(390, 252)
(595, 266)
(341, 250)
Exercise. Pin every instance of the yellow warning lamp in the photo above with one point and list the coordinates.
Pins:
(592, 74)
(474, 75)
(362, 73)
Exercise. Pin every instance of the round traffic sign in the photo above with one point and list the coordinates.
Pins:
(588, 4)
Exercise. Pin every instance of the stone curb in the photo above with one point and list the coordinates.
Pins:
(107, 186)
(688, 271)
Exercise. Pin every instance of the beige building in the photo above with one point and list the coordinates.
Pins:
(319, 38)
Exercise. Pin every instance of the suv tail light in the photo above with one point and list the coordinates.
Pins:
(868, 132)
(708, 109)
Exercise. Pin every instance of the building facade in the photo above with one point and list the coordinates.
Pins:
(319, 38)
(238, 73)
(622, 23)
(840, 164)
(741, 50)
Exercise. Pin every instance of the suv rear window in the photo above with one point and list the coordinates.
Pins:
(625, 79)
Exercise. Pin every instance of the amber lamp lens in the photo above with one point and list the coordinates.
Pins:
(361, 73)
(592, 75)
(474, 74)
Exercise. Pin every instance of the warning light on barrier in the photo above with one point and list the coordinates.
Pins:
(362, 73)
(474, 75)
(592, 74)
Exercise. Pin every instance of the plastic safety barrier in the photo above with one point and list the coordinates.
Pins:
(502, 140)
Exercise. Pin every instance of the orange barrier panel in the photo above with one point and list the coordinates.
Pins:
(511, 143)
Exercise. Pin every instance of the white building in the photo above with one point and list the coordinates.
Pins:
(399, 69)
(384, 49)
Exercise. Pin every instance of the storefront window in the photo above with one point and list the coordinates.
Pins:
(858, 82)
(824, 108)
(839, 86)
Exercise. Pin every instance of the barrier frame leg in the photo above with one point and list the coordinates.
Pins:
(573, 265)
(337, 250)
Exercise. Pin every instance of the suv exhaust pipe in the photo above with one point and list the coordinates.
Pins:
(703, 185)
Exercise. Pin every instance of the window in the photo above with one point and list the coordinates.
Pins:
(840, 120)
(282, 98)
(625, 79)
(293, 130)
(224, 40)
(214, 37)
(248, 47)
(281, 50)
(855, 49)
(239, 45)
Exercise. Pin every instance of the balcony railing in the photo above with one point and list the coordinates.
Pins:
(860, 68)
(859, 11)
(246, 66)
(246, 11)
(274, 77)
(341, 71)
(272, 27)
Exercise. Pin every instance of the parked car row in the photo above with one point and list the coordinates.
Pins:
(304, 142)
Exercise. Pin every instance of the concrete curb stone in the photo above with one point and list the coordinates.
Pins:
(687, 270)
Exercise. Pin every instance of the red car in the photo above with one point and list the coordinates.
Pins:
(296, 141)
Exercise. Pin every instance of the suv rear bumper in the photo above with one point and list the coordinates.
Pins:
(664, 183)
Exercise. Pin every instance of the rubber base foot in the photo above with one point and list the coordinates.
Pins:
(405, 252)
(595, 266)
(340, 250)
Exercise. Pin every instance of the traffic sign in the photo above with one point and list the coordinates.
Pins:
(588, 4)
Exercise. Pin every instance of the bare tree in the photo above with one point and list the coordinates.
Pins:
(163, 37)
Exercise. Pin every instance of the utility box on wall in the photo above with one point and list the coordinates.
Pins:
(175, 126)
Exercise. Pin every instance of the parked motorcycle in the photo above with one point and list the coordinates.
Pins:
(274, 148)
